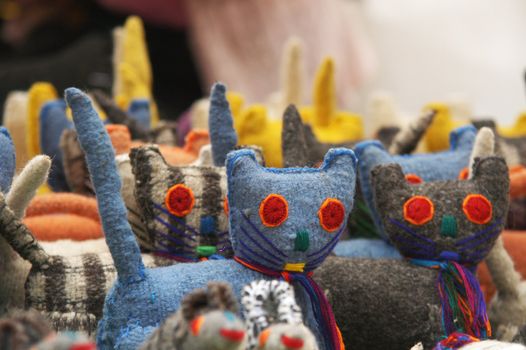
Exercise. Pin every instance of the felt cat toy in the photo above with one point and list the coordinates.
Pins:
(411, 307)
(273, 318)
(206, 320)
(518, 129)
(140, 299)
(14, 119)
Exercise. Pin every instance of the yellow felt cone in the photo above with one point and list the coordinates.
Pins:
(516, 130)
(437, 135)
(38, 95)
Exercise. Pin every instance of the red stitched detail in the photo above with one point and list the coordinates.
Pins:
(463, 175)
(418, 210)
(273, 210)
(478, 209)
(413, 179)
(179, 200)
(331, 214)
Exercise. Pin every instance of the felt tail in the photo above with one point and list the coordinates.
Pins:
(505, 277)
(324, 96)
(100, 158)
(292, 72)
(26, 184)
(223, 137)
(19, 236)
(484, 146)
(408, 138)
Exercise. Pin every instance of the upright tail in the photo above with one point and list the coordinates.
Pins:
(100, 157)
(223, 137)
(408, 138)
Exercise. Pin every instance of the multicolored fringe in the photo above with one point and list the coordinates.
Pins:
(321, 307)
(463, 305)
(455, 341)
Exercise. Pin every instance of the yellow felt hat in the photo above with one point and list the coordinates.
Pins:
(437, 135)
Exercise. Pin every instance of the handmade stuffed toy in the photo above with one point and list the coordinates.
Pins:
(273, 318)
(206, 320)
(443, 228)
(518, 129)
(313, 222)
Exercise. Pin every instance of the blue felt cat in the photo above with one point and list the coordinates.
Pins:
(7, 159)
(283, 223)
(426, 167)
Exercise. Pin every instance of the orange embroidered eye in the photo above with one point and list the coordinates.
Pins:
(273, 210)
(225, 205)
(478, 209)
(179, 200)
(413, 179)
(331, 214)
(463, 175)
(418, 210)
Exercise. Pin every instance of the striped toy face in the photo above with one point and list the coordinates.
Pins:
(183, 207)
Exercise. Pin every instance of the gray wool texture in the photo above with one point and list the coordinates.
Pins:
(407, 139)
(382, 304)
(74, 163)
(391, 191)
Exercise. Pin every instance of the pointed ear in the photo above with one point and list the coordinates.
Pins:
(7, 159)
(293, 143)
(340, 159)
(462, 138)
(205, 156)
(386, 180)
(146, 159)
(193, 304)
(491, 173)
(243, 161)
(407, 139)
(372, 151)
(324, 97)
(488, 123)
(484, 147)
(223, 137)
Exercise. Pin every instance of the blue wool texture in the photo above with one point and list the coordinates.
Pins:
(428, 166)
(139, 109)
(369, 248)
(223, 137)
(142, 298)
(53, 121)
(7, 159)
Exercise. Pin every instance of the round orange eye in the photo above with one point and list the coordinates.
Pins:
(418, 210)
(463, 175)
(225, 205)
(179, 200)
(413, 179)
(331, 214)
(273, 210)
(478, 209)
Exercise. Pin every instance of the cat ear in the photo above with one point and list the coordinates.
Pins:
(193, 304)
(491, 173)
(243, 160)
(340, 159)
(484, 147)
(371, 153)
(223, 137)
(293, 142)
(221, 296)
(7, 159)
(386, 180)
(145, 160)
(462, 138)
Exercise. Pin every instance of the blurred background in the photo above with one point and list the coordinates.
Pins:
(414, 51)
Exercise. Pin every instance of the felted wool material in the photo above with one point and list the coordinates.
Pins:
(63, 216)
(53, 121)
(407, 139)
(139, 299)
(14, 119)
(366, 248)
(329, 124)
(7, 159)
(37, 96)
(471, 239)
(517, 215)
(139, 109)
(22, 330)
(518, 129)
(206, 320)
(438, 134)
(74, 164)
(492, 345)
(512, 149)
(429, 167)
(173, 235)
(222, 134)
(120, 138)
(517, 182)
(392, 297)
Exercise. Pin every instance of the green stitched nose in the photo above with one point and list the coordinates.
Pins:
(301, 244)
(448, 228)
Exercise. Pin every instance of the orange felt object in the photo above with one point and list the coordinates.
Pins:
(120, 138)
(173, 155)
(515, 244)
(517, 182)
(53, 227)
(56, 216)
